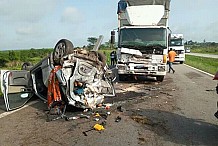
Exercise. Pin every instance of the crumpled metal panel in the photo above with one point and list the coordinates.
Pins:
(85, 74)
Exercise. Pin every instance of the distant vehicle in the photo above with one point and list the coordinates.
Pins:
(68, 76)
(187, 50)
(143, 34)
(177, 44)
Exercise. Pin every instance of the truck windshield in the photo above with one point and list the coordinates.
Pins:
(143, 38)
(176, 42)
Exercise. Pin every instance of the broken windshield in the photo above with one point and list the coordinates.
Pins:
(143, 38)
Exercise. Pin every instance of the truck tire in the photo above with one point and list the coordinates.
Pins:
(62, 48)
(160, 78)
(181, 62)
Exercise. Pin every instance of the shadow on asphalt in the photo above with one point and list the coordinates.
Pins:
(179, 129)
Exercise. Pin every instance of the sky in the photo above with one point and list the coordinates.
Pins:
(26, 24)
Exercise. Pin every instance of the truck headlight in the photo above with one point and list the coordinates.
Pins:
(161, 68)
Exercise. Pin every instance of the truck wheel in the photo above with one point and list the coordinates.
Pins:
(62, 48)
(181, 62)
(160, 78)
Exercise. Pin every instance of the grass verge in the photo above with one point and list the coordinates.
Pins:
(107, 54)
(205, 50)
(209, 65)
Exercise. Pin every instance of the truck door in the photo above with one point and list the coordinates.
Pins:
(16, 87)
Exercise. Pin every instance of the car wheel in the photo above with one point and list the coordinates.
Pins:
(62, 48)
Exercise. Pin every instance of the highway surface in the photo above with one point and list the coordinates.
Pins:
(178, 111)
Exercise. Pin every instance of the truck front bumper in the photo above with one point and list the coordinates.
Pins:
(150, 70)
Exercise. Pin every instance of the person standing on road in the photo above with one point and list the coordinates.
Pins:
(115, 57)
(112, 56)
(171, 55)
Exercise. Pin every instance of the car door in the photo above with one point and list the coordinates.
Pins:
(16, 86)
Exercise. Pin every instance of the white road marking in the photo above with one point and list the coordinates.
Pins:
(11, 112)
(200, 70)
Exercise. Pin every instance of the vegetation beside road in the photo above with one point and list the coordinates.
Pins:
(209, 65)
(13, 59)
(205, 49)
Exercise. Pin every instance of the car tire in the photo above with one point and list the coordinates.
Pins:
(62, 48)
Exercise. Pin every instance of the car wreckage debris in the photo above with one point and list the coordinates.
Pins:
(118, 119)
(66, 77)
(80, 78)
(85, 91)
(97, 127)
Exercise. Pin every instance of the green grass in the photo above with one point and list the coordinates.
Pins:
(205, 50)
(209, 65)
(107, 53)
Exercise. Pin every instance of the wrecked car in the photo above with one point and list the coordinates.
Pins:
(67, 76)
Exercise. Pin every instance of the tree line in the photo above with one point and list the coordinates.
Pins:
(15, 58)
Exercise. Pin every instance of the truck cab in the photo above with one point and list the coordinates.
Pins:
(143, 38)
(177, 44)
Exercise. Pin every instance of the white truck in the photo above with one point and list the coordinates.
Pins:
(177, 44)
(143, 37)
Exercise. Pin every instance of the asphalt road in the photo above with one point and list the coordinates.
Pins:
(178, 111)
(204, 55)
(193, 123)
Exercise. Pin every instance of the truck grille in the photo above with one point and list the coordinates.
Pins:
(140, 67)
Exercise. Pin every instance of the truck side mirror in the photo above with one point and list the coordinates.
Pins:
(113, 37)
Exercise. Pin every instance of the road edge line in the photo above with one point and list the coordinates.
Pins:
(11, 112)
(199, 70)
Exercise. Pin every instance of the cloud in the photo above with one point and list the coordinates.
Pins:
(72, 16)
(210, 32)
(25, 11)
(31, 30)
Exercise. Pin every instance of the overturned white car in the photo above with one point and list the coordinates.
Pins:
(68, 76)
